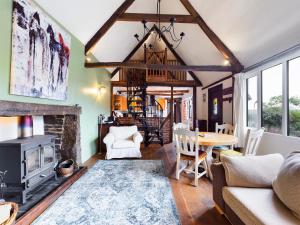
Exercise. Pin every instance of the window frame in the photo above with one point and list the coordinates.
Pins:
(288, 93)
(262, 96)
(284, 60)
(258, 103)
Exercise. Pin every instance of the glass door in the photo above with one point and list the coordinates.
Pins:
(48, 154)
(32, 161)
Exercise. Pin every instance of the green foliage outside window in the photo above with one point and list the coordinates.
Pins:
(272, 115)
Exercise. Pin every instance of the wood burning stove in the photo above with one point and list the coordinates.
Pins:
(29, 162)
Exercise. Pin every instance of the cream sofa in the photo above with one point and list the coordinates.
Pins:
(250, 205)
(123, 142)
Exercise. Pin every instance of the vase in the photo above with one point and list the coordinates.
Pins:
(25, 127)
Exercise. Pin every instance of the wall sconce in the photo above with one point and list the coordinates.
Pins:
(101, 89)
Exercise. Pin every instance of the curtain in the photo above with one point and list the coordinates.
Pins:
(239, 108)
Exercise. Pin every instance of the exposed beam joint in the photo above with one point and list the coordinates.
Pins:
(141, 42)
(107, 25)
(223, 49)
(177, 56)
(164, 18)
(208, 68)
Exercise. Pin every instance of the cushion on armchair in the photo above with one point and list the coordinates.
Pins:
(287, 184)
(124, 132)
(251, 171)
(123, 144)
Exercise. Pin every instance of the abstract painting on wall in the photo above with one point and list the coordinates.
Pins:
(40, 54)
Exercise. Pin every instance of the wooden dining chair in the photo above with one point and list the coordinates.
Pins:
(253, 139)
(225, 128)
(176, 126)
(181, 125)
(187, 149)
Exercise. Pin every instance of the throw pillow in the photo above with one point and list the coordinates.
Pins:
(4, 212)
(287, 184)
(251, 171)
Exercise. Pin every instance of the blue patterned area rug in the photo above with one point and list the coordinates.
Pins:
(118, 192)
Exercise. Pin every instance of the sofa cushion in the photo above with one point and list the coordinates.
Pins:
(251, 171)
(259, 206)
(123, 132)
(287, 183)
(123, 144)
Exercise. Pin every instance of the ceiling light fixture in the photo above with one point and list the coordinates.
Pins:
(226, 62)
(170, 30)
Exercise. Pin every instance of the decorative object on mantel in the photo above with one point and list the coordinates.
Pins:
(9, 127)
(66, 168)
(25, 127)
(38, 125)
(8, 213)
(40, 54)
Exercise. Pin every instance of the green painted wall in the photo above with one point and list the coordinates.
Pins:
(82, 83)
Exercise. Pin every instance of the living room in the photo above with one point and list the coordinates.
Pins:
(149, 112)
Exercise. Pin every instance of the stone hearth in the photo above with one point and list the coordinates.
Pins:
(62, 121)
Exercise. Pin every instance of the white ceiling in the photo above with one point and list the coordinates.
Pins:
(252, 30)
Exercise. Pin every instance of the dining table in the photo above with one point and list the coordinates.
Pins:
(208, 140)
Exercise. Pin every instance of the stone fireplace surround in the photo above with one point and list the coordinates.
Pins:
(59, 120)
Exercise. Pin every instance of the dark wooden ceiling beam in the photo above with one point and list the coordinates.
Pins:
(107, 25)
(209, 68)
(160, 91)
(174, 94)
(128, 57)
(164, 18)
(177, 56)
(225, 51)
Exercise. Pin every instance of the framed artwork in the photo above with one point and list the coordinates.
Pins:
(40, 54)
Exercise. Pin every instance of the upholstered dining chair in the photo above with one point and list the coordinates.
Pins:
(187, 148)
(253, 139)
(225, 128)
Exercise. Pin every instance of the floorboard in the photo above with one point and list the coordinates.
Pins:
(194, 204)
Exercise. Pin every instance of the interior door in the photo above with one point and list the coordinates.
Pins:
(177, 111)
(215, 107)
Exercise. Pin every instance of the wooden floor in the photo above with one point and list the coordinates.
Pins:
(195, 205)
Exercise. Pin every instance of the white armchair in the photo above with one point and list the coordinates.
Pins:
(123, 142)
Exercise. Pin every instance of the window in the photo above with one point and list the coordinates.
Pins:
(294, 97)
(272, 107)
(252, 101)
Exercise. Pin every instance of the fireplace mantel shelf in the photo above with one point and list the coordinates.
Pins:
(9, 108)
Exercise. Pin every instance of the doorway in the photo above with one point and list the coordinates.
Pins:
(215, 107)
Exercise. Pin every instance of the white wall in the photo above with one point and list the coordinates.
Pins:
(202, 107)
(276, 143)
(8, 128)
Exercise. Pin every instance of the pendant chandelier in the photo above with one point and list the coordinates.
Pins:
(169, 30)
